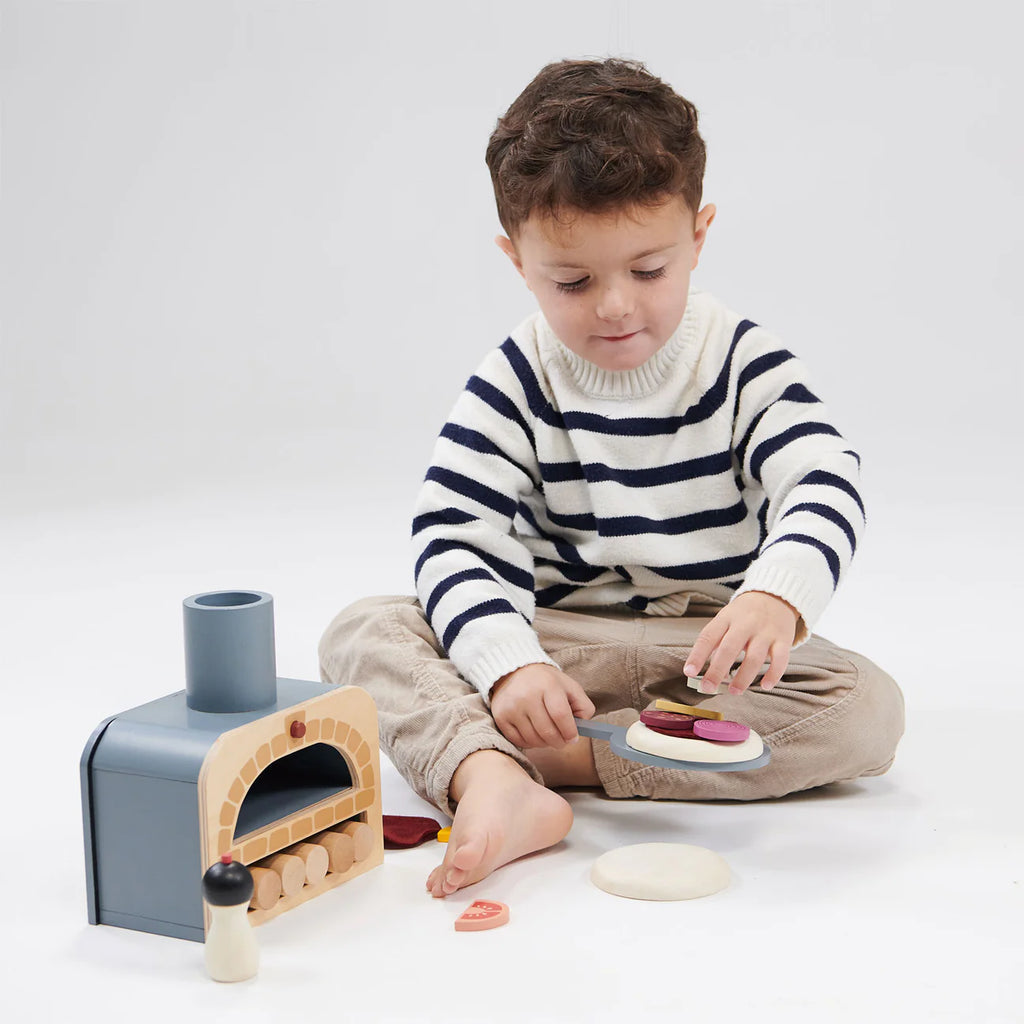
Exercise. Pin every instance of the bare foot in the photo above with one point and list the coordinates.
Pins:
(502, 814)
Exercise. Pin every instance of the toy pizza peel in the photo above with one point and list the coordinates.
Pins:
(682, 737)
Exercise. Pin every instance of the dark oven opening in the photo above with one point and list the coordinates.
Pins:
(291, 783)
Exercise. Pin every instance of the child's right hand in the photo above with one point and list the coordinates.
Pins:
(534, 706)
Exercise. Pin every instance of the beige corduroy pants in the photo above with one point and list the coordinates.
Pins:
(834, 716)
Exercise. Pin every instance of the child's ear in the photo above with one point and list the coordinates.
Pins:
(700, 230)
(508, 248)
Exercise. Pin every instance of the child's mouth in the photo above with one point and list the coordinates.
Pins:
(619, 337)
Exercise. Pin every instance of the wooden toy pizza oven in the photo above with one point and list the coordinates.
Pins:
(239, 762)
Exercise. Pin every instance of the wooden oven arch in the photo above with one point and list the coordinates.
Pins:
(345, 719)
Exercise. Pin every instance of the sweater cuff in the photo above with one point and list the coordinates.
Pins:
(793, 589)
(503, 658)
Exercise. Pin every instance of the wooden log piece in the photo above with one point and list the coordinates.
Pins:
(266, 888)
(341, 850)
(316, 859)
(362, 837)
(291, 870)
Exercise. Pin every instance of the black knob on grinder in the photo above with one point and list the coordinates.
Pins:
(227, 883)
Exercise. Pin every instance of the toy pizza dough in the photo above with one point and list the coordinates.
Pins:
(660, 871)
(682, 748)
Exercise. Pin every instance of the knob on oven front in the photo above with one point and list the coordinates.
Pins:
(298, 730)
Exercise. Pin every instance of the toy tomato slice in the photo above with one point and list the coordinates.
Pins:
(480, 915)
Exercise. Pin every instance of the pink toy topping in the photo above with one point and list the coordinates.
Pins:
(720, 732)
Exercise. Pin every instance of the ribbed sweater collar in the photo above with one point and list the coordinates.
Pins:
(636, 383)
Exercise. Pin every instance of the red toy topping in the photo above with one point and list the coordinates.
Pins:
(669, 723)
(481, 915)
(402, 831)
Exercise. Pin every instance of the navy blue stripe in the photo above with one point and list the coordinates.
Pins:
(562, 546)
(802, 538)
(453, 581)
(442, 517)
(512, 574)
(793, 393)
(552, 595)
(575, 573)
(630, 426)
(539, 405)
(823, 476)
(797, 392)
(756, 367)
(766, 449)
(734, 565)
(673, 473)
(582, 521)
(741, 448)
(638, 603)
(627, 526)
(470, 488)
(500, 403)
(847, 451)
(478, 442)
(496, 606)
(560, 472)
(829, 513)
(762, 518)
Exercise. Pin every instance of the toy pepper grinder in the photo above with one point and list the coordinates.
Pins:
(231, 950)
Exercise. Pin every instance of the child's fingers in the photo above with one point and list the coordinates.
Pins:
(707, 640)
(512, 734)
(753, 659)
(581, 705)
(722, 660)
(779, 661)
(557, 705)
(543, 729)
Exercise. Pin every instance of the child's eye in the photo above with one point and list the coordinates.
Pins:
(575, 286)
(650, 275)
(570, 286)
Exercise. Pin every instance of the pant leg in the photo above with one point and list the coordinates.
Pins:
(429, 717)
(834, 716)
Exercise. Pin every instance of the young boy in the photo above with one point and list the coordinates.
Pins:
(638, 486)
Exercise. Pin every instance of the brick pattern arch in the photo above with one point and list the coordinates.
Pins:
(344, 719)
(347, 741)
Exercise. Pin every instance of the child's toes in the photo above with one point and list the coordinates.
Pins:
(453, 880)
(467, 855)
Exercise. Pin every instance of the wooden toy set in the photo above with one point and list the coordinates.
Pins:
(283, 775)
(259, 793)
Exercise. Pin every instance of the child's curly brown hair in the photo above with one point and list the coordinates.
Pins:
(594, 136)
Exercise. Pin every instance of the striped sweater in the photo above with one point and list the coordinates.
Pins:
(706, 472)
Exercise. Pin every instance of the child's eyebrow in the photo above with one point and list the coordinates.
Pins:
(638, 256)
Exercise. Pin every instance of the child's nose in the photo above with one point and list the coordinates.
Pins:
(615, 303)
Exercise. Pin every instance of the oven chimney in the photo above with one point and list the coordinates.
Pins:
(230, 664)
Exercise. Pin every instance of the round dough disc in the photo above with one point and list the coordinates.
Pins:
(660, 871)
(682, 748)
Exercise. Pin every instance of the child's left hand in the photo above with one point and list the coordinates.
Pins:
(761, 625)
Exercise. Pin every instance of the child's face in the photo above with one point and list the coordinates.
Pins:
(613, 286)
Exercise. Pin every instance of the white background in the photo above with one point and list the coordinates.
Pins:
(247, 265)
